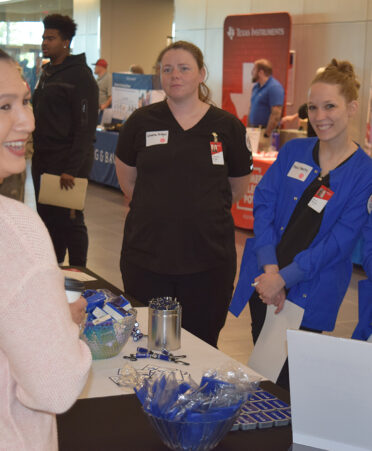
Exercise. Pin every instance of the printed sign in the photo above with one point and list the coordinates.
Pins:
(248, 38)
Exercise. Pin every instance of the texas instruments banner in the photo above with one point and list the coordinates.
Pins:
(246, 39)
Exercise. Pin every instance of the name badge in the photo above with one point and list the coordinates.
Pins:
(320, 199)
(299, 171)
(155, 138)
(217, 153)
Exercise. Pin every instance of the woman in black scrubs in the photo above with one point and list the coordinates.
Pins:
(181, 163)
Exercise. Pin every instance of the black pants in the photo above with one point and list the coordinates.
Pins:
(66, 228)
(258, 314)
(204, 296)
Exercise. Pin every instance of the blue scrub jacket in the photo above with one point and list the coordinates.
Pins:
(318, 277)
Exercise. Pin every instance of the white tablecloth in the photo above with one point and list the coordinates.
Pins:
(200, 355)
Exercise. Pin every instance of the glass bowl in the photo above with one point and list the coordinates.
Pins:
(191, 436)
(107, 339)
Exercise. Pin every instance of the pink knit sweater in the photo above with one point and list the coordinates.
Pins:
(43, 364)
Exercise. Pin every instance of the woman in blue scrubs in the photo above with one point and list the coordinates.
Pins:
(309, 209)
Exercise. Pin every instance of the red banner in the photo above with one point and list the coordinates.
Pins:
(246, 39)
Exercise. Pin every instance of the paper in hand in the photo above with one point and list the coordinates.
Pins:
(270, 351)
(51, 192)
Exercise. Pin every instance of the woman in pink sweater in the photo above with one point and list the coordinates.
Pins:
(43, 364)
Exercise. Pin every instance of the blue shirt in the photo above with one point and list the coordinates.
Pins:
(263, 99)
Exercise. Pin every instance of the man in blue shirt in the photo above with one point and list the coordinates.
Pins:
(267, 98)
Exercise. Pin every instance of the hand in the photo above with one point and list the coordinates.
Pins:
(77, 310)
(269, 285)
(279, 300)
(67, 181)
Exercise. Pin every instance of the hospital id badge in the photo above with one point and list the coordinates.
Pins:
(320, 199)
(217, 153)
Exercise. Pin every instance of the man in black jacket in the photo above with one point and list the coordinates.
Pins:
(65, 105)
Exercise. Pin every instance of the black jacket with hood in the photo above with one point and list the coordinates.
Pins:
(65, 104)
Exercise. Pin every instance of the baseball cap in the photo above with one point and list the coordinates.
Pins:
(101, 62)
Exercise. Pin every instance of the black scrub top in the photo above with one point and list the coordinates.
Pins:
(305, 222)
(180, 220)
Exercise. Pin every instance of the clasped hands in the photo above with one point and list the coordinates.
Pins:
(270, 287)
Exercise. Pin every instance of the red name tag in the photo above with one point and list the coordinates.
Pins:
(320, 199)
(217, 153)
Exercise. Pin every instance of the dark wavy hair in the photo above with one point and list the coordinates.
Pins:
(340, 73)
(203, 92)
(64, 24)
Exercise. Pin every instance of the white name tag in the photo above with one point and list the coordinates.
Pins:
(299, 171)
(155, 138)
(320, 199)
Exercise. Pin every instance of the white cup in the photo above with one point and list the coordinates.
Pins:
(74, 289)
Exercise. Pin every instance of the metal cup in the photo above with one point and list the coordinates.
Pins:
(164, 329)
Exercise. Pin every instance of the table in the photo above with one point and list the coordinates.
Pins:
(108, 417)
(242, 211)
(103, 169)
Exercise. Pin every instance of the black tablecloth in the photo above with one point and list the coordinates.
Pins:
(117, 423)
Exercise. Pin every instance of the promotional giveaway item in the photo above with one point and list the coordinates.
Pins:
(109, 323)
(195, 417)
(164, 324)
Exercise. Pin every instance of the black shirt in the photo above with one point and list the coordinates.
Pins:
(180, 220)
(305, 222)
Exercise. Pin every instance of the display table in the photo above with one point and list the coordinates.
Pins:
(242, 211)
(103, 169)
(108, 417)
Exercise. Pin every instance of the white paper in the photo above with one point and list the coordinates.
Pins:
(270, 351)
(331, 391)
(200, 355)
(78, 275)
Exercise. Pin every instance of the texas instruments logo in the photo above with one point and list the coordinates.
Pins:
(231, 33)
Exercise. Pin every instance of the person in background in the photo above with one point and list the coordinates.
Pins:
(181, 163)
(304, 239)
(299, 120)
(136, 69)
(104, 82)
(43, 364)
(65, 107)
(266, 101)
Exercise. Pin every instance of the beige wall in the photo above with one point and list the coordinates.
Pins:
(86, 15)
(134, 32)
(321, 29)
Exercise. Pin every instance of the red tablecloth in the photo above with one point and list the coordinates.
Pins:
(242, 211)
